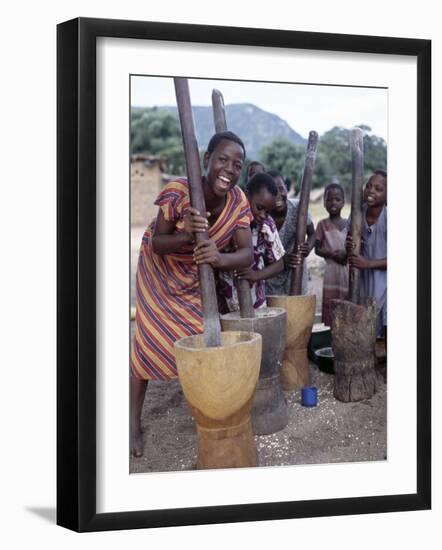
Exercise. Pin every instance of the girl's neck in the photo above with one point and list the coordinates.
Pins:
(213, 202)
(279, 217)
(336, 220)
(373, 213)
(335, 217)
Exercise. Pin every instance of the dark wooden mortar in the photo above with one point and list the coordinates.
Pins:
(269, 411)
(354, 322)
(353, 343)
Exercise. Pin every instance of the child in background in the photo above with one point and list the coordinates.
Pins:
(254, 167)
(373, 258)
(267, 247)
(285, 216)
(330, 240)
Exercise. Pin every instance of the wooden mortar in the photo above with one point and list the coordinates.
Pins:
(295, 371)
(219, 385)
(353, 343)
(354, 323)
(269, 411)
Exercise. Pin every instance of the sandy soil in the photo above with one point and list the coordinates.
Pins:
(329, 433)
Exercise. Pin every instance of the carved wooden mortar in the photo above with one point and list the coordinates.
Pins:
(295, 371)
(219, 385)
(269, 411)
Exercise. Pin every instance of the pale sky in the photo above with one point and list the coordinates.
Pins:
(304, 107)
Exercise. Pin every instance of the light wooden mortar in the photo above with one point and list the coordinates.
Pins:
(295, 370)
(219, 385)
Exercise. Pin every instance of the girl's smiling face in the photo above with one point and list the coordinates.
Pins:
(375, 192)
(223, 167)
(281, 197)
(261, 203)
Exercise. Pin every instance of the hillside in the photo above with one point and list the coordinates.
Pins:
(255, 126)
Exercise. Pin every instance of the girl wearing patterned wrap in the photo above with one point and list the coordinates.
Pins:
(168, 302)
(285, 215)
(267, 248)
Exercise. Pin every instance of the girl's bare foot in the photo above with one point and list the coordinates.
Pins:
(137, 444)
(137, 393)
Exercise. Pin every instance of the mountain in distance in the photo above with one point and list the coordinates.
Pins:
(253, 125)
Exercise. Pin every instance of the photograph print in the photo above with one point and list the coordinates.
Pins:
(258, 267)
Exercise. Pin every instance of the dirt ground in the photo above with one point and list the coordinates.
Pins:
(328, 433)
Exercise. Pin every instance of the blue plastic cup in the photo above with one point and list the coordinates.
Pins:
(309, 396)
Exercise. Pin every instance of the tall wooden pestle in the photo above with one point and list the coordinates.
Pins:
(242, 286)
(357, 183)
(304, 198)
(212, 326)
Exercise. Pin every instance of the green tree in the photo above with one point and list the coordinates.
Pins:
(375, 153)
(288, 158)
(156, 132)
(333, 161)
(335, 145)
(284, 156)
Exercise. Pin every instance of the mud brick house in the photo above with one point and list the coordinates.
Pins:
(147, 178)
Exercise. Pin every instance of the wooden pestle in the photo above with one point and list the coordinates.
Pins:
(242, 286)
(357, 183)
(301, 224)
(212, 326)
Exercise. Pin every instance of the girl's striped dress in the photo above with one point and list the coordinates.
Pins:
(168, 302)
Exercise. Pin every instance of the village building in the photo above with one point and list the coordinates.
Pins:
(147, 178)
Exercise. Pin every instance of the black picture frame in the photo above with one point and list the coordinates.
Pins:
(76, 274)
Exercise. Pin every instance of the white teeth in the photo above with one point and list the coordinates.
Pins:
(225, 180)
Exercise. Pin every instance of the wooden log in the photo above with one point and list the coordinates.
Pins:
(301, 225)
(357, 183)
(353, 343)
(242, 285)
(212, 325)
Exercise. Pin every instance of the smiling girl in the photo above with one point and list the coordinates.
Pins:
(285, 215)
(168, 300)
(330, 245)
(373, 258)
(267, 247)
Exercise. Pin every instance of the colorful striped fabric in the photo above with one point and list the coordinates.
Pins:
(168, 302)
